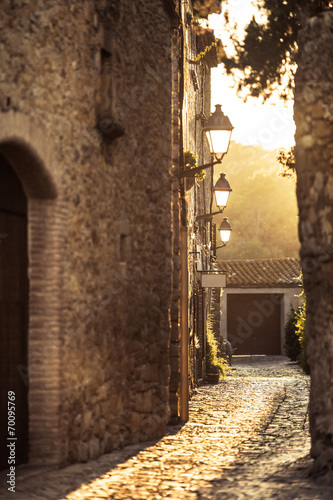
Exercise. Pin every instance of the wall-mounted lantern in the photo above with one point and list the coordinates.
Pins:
(225, 232)
(222, 192)
(218, 130)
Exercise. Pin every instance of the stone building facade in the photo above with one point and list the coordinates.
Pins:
(73, 75)
(194, 53)
(314, 164)
(197, 193)
(92, 121)
(201, 56)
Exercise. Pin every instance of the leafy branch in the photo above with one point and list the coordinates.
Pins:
(288, 163)
(265, 61)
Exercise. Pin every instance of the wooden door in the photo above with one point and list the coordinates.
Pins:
(13, 311)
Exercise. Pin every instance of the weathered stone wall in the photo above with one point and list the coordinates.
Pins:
(64, 65)
(190, 103)
(174, 351)
(314, 159)
(198, 194)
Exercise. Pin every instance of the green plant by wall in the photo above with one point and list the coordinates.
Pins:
(295, 336)
(301, 333)
(212, 351)
(292, 345)
(191, 160)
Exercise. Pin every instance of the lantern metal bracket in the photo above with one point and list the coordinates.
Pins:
(208, 216)
(191, 172)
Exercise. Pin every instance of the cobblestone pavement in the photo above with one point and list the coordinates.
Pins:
(247, 437)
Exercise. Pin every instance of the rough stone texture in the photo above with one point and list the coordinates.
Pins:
(247, 437)
(198, 196)
(100, 228)
(314, 158)
(190, 106)
(174, 353)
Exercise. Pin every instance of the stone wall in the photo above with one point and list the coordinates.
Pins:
(196, 109)
(65, 67)
(190, 104)
(174, 352)
(314, 161)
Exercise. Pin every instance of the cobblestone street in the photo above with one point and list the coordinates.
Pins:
(247, 437)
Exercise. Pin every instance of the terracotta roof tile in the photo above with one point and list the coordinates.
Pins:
(261, 273)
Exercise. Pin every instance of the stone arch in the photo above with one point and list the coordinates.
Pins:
(27, 148)
(29, 153)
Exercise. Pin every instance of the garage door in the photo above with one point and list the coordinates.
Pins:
(254, 323)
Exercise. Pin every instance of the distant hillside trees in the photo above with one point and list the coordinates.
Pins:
(262, 208)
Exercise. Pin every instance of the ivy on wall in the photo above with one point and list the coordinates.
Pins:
(191, 160)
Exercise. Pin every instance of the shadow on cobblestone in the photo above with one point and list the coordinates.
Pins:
(276, 462)
(247, 437)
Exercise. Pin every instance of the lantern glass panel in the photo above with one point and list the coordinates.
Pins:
(225, 235)
(221, 198)
(218, 141)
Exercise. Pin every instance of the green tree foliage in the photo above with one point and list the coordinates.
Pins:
(203, 8)
(267, 56)
(287, 162)
(262, 209)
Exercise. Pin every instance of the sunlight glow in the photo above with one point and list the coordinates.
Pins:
(268, 124)
(218, 141)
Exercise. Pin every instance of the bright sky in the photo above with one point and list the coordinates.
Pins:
(270, 125)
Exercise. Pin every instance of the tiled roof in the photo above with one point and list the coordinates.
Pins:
(261, 273)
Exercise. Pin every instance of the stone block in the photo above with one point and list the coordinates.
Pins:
(307, 141)
(174, 350)
(321, 128)
(174, 381)
(144, 402)
(86, 421)
(83, 452)
(94, 448)
(174, 365)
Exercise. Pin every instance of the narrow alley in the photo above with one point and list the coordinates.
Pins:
(247, 437)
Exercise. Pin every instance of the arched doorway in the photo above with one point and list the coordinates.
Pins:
(27, 161)
(13, 315)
